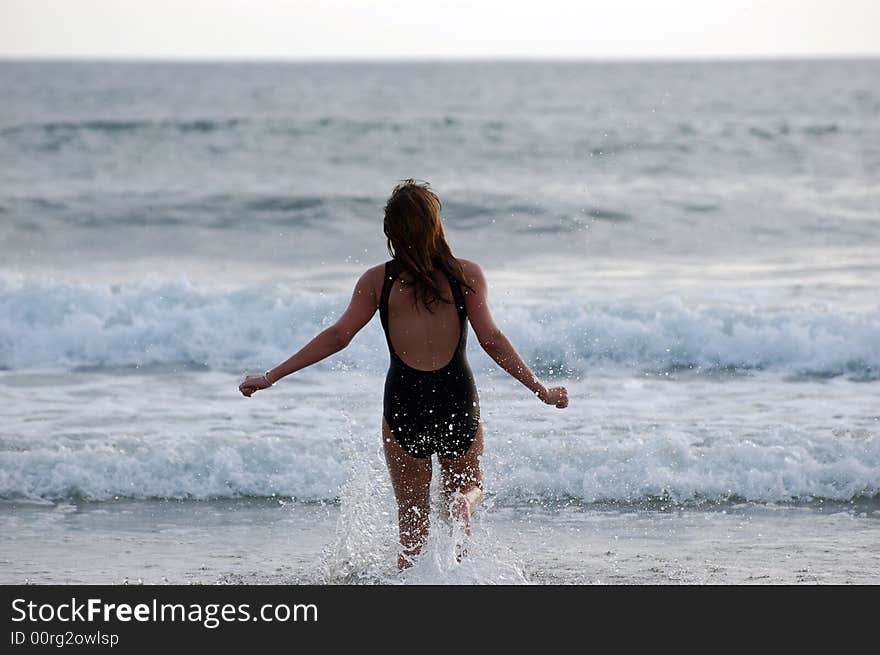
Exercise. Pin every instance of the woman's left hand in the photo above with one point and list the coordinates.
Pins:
(253, 383)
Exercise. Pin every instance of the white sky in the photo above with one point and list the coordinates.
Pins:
(359, 29)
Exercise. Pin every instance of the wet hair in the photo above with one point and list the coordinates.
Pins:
(417, 240)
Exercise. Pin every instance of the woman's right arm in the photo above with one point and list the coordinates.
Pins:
(364, 303)
(496, 344)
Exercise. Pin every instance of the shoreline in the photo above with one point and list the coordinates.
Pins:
(269, 541)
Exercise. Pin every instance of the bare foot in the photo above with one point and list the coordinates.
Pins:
(463, 505)
(460, 510)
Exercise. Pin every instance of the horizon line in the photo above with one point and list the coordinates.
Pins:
(404, 59)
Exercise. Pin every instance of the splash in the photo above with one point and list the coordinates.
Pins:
(365, 547)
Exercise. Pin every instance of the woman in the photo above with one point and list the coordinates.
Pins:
(425, 297)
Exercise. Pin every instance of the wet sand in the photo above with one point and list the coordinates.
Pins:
(277, 542)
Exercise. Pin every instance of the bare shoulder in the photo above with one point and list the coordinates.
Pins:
(473, 274)
(374, 272)
(372, 280)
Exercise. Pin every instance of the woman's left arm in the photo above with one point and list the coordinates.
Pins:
(364, 303)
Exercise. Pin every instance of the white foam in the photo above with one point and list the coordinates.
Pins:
(776, 466)
(99, 436)
(171, 322)
(199, 468)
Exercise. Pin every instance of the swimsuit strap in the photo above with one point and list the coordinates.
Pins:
(457, 297)
(392, 270)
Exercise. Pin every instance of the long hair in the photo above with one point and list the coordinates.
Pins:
(417, 240)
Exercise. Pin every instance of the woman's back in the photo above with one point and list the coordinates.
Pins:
(424, 340)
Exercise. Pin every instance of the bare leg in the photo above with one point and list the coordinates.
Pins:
(463, 481)
(411, 479)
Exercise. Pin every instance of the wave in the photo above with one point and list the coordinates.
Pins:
(783, 466)
(122, 126)
(605, 214)
(203, 125)
(157, 322)
(783, 129)
(213, 211)
(241, 211)
(199, 468)
(54, 135)
(780, 466)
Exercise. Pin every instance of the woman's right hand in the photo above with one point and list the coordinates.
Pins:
(254, 383)
(557, 396)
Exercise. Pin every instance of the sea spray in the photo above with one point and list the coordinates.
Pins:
(365, 546)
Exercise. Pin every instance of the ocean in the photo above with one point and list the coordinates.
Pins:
(692, 248)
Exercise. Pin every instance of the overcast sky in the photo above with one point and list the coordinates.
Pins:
(357, 29)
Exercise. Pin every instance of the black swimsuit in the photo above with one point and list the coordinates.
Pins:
(434, 411)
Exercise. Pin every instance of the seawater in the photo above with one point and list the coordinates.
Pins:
(690, 247)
